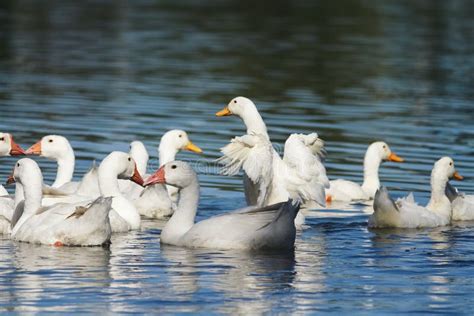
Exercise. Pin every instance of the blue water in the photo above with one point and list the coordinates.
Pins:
(106, 73)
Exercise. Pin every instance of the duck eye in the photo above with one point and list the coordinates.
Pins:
(451, 163)
(129, 159)
(235, 101)
(50, 140)
(173, 167)
(384, 147)
(180, 135)
(18, 164)
(2, 139)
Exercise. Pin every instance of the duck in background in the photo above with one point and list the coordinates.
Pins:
(344, 190)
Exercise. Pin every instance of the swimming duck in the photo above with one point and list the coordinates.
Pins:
(256, 154)
(344, 190)
(60, 225)
(158, 201)
(462, 204)
(247, 229)
(406, 213)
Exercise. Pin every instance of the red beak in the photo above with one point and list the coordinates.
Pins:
(157, 177)
(136, 177)
(15, 149)
(35, 149)
(10, 180)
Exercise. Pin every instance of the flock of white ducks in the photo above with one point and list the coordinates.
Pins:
(112, 197)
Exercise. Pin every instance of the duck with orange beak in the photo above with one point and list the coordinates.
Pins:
(159, 201)
(346, 191)
(8, 147)
(406, 213)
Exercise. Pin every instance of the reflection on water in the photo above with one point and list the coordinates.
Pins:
(106, 73)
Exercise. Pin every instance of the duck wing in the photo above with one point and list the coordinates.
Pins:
(254, 155)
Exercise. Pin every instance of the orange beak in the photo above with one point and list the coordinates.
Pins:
(35, 149)
(10, 179)
(15, 149)
(191, 147)
(157, 177)
(136, 177)
(457, 176)
(224, 112)
(395, 158)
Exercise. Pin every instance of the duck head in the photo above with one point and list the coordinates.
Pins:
(52, 147)
(8, 147)
(174, 173)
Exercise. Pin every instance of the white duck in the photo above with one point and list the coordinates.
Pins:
(62, 224)
(124, 215)
(405, 213)
(58, 148)
(344, 190)
(288, 177)
(247, 229)
(158, 201)
(463, 204)
(8, 147)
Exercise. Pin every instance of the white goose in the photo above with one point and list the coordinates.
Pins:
(344, 190)
(463, 204)
(123, 216)
(247, 229)
(158, 201)
(405, 213)
(60, 225)
(8, 147)
(58, 148)
(300, 174)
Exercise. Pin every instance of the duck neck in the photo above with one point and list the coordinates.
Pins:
(183, 218)
(19, 195)
(65, 168)
(166, 152)
(439, 202)
(142, 163)
(254, 122)
(108, 181)
(371, 173)
(33, 193)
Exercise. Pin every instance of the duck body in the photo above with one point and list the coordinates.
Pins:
(58, 226)
(75, 224)
(463, 208)
(345, 190)
(7, 207)
(251, 228)
(405, 213)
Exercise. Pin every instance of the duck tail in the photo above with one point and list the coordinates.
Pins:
(451, 192)
(291, 207)
(383, 202)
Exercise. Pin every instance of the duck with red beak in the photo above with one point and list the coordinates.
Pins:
(8, 147)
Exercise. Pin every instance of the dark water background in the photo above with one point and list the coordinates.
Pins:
(104, 73)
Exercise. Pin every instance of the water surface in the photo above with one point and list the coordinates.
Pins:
(106, 73)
